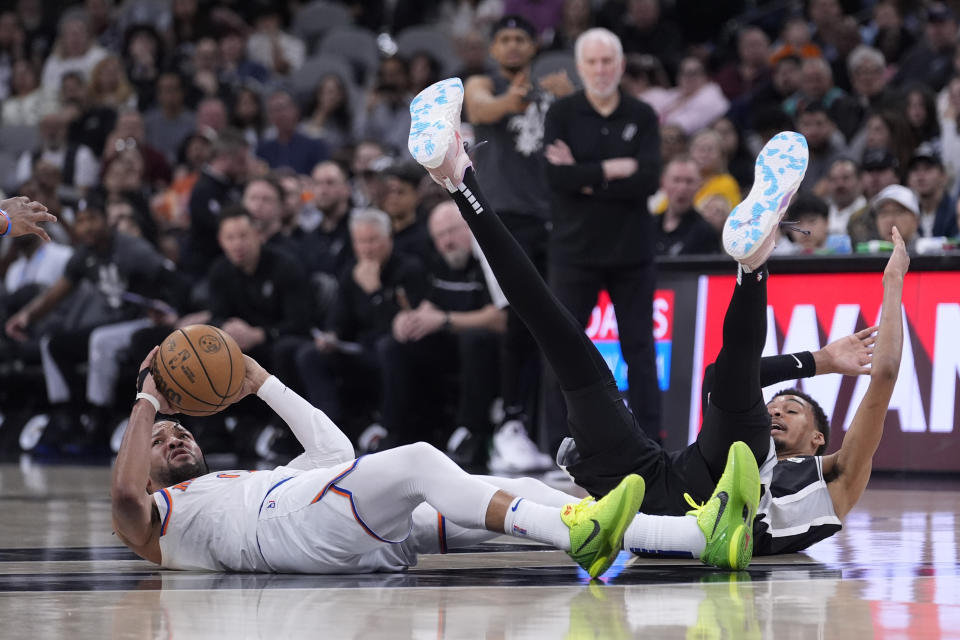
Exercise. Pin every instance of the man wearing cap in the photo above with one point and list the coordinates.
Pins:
(897, 206)
(877, 171)
(928, 179)
(930, 61)
(507, 109)
(880, 170)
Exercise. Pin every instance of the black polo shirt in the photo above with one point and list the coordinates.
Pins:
(276, 297)
(610, 226)
(693, 235)
(363, 317)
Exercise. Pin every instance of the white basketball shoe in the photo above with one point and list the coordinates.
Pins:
(749, 233)
(435, 140)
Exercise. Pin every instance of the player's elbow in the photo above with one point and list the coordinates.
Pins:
(885, 369)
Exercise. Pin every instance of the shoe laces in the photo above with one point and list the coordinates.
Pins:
(573, 509)
(697, 508)
(470, 148)
(791, 225)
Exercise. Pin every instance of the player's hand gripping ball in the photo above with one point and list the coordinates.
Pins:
(199, 370)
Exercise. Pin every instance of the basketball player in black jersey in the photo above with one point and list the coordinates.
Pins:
(608, 442)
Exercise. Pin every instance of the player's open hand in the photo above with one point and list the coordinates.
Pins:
(146, 383)
(26, 215)
(253, 378)
(899, 261)
(850, 355)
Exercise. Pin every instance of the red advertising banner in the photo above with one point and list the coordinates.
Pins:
(602, 330)
(805, 312)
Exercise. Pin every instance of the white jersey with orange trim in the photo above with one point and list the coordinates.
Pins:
(284, 520)
(211, 522)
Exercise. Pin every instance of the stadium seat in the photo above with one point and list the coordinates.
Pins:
(358, 46)
(433, 41)
(313, 20)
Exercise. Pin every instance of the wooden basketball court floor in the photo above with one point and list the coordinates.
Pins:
(891, 573)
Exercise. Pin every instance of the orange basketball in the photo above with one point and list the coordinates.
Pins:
(199, 370)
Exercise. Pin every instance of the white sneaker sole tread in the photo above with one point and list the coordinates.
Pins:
(778, 173)
(434, 113)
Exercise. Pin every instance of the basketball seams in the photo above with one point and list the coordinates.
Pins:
(230, 358)
(172, 379)
(213, 387)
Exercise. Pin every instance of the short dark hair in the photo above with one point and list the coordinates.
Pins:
(229, 141)
(408, 172)
(270, 180)
(233, 212)
(95, 202)
(812, 108)
(819, 417)
(804, 203)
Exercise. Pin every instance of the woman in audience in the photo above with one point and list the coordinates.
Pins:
(27, 102)
(331, 118)
(109, 86)
(246, 115)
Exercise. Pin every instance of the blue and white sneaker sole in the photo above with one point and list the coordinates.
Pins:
(779, 171)
(434, 115)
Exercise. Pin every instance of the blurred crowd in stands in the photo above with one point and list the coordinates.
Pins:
(244, 164)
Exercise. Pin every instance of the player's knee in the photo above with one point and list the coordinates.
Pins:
(421, 454)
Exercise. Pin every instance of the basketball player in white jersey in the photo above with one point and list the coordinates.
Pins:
(805, 494)
(335, 516)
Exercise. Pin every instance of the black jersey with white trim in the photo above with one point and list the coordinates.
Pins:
(795, 509)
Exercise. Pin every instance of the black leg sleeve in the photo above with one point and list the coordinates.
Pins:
(736, 384)
(562, 340)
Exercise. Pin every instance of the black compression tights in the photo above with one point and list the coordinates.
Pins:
(736, 382)
(574, 359)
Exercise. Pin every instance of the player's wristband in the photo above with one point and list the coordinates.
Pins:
(9, 223)
(149, 398)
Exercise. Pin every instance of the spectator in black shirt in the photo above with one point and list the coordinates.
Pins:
(603, 154)
(215, 189)
(456, 329)
(123, 276)
(930, 61)
(681, 230)
(258, 294)
(263, 198)
(327, 248)
(372, 290)
(400, 201)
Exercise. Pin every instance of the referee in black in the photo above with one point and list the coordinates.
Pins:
(603, 162)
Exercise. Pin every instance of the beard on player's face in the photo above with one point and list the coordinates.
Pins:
(172, 473)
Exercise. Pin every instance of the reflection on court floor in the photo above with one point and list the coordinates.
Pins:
(892, 572)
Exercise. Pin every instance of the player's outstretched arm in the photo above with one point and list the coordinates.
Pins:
(323, 443)
(848, 470)
(134, 517)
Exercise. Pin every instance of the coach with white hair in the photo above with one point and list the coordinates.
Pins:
(603, 162)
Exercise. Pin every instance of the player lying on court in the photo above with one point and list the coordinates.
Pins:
(805, 495)
(326, 512)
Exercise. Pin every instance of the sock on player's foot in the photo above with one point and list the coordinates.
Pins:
(527, 519)
(669, 535)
